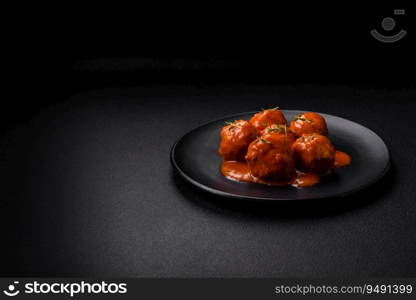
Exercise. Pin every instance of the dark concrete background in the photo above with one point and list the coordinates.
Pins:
(98, 97)
(89, 191)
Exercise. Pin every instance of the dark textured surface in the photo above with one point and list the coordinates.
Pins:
(87, 189)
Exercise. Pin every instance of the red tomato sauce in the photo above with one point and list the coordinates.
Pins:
(341, 159)
(240, 171)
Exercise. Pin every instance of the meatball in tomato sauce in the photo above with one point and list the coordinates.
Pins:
(280, 130)
(266, 118)
(313, 153)
(269, 157)
(308, 123)
(235, 138)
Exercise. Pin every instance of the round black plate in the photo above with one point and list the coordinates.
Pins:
(196, 159)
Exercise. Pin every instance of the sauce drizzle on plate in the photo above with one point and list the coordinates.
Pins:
(240, 171)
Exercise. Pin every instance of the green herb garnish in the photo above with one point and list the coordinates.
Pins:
(274, 108)
(232, 124)
(263, 140)
(279, 128)
(299, 117)
(272, 129)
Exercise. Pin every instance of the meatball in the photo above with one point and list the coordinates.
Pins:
(280, 130)
(266, 118)
(313, 153)
(307, 123)
(269, 157)
(235, 138)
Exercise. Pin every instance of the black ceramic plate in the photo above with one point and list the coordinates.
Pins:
(196, 159)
